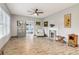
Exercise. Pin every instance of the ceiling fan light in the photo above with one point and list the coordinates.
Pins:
(35, 14)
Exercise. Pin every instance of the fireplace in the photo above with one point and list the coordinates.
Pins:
(72, 40)
(52, 34)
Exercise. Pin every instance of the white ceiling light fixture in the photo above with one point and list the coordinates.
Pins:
(36, 12)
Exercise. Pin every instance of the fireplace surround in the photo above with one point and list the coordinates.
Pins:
(52, 34)
(72, 40)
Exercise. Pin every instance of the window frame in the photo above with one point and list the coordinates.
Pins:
(5, 23)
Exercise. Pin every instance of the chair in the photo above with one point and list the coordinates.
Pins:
(40, 32)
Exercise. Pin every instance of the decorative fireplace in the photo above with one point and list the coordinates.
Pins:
(72, 40)
(52, 34)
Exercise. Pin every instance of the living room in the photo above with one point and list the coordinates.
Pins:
(42, 24)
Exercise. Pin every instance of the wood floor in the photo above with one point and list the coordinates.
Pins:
(38, 46)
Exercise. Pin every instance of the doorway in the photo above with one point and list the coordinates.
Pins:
(29, 28)
(25, 28)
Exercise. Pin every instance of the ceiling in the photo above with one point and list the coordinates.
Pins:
(47, 8)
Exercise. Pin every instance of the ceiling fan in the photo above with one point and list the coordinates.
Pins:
(36, 12)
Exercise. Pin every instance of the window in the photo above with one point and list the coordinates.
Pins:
(1, 25)
(8, 24)
(4, 23)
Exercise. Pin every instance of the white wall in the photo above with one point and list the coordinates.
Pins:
(4, 40)
(58, 20)
(38, 26)
(14, 19)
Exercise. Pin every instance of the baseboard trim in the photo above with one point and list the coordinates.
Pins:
(14, 36)
(3, 48)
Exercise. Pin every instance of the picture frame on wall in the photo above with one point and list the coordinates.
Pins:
(19, 23)
(38, 23)
(67, 20)
(45, 23)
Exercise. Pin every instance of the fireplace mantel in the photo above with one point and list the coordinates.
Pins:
(52, 34)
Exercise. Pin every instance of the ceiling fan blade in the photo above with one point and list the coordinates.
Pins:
(29, 11)
(37, 14)
(32, 13)
(40, 12)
